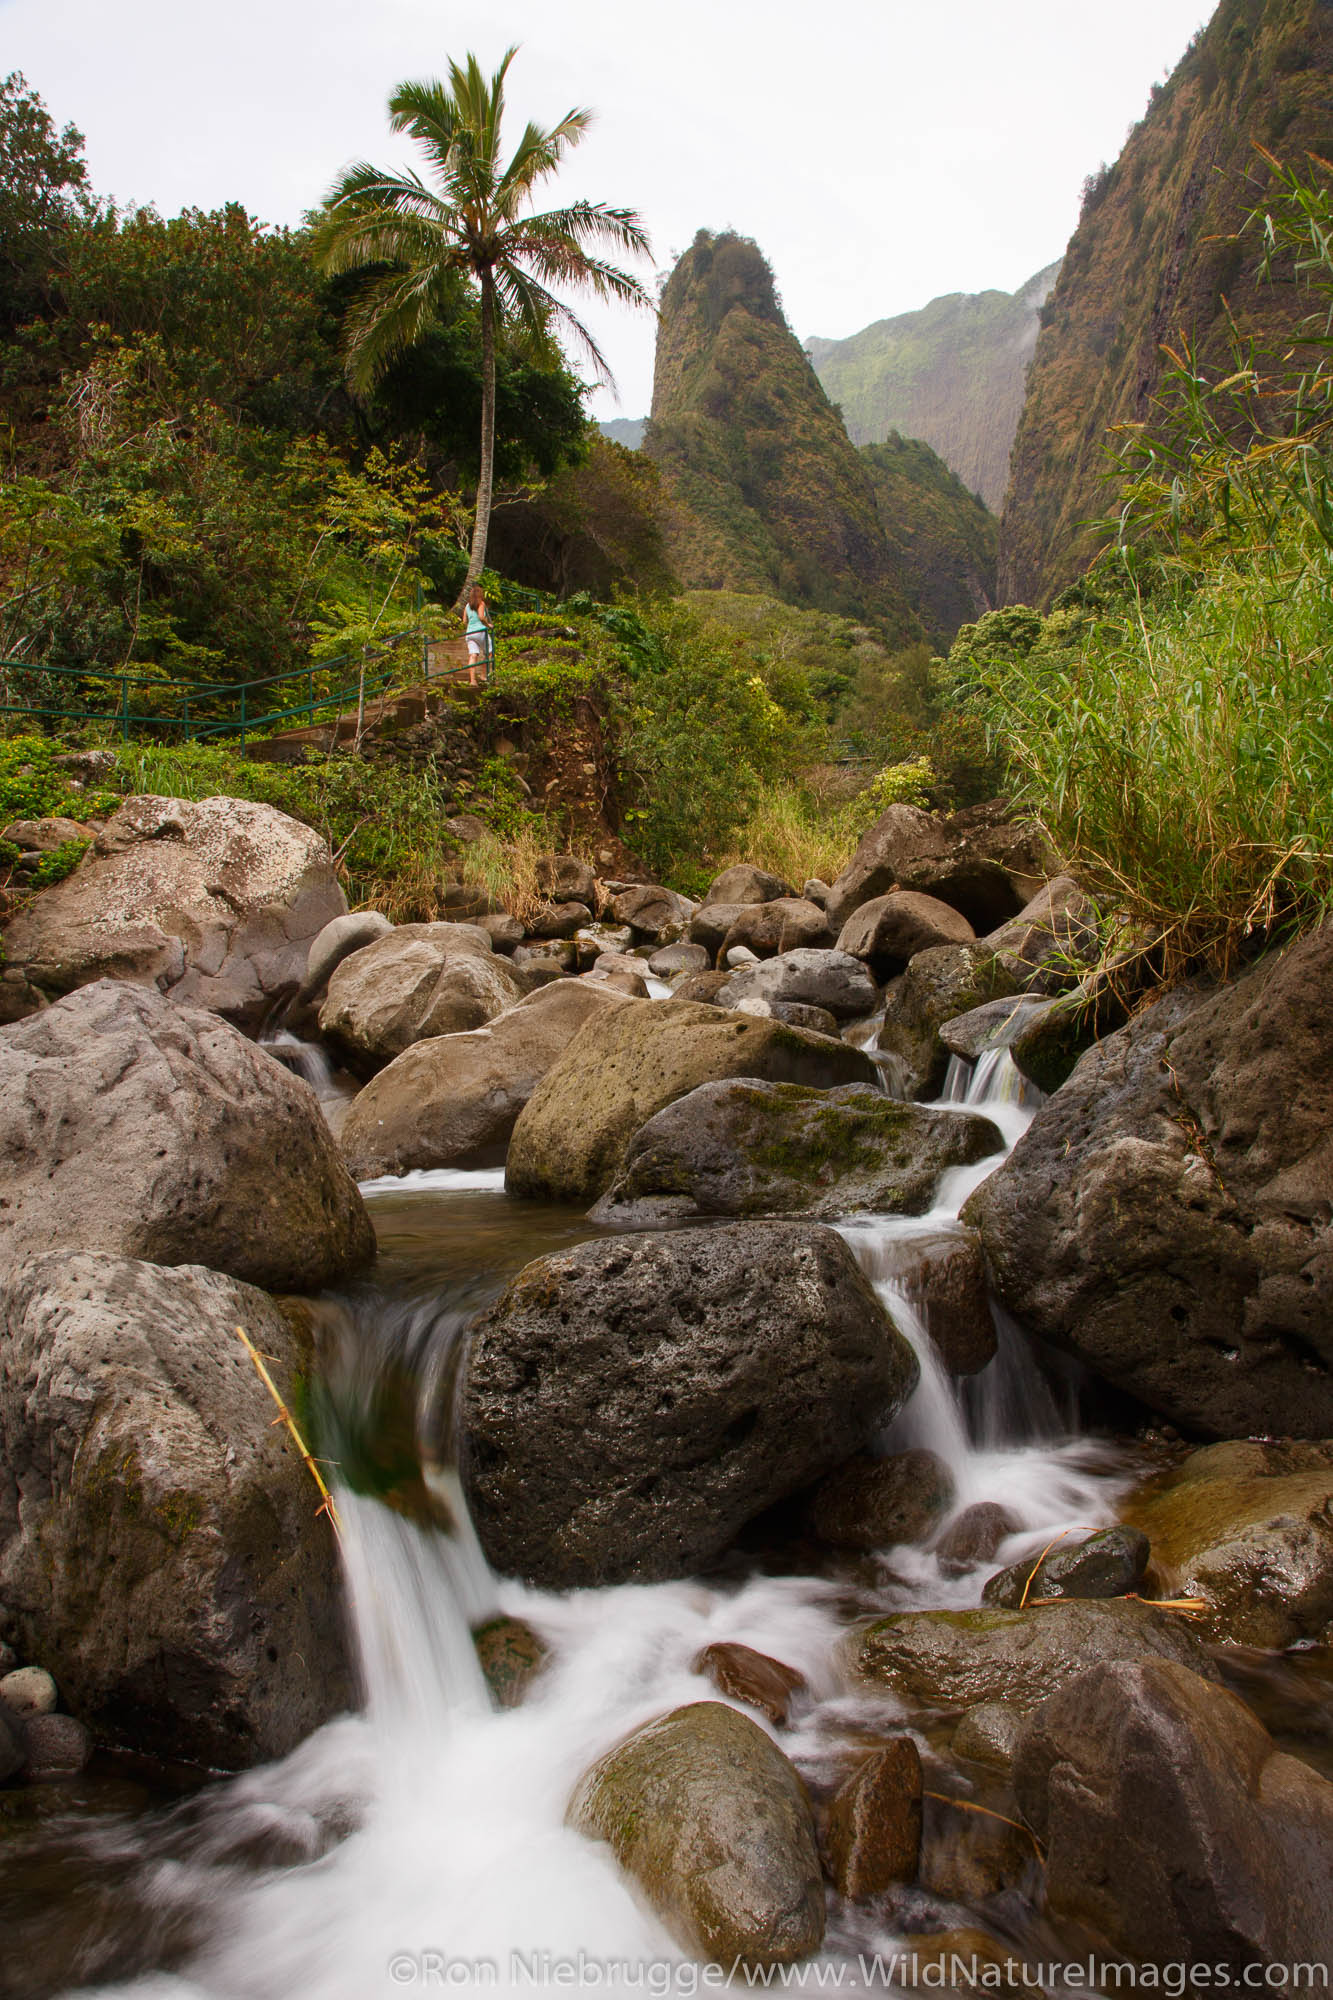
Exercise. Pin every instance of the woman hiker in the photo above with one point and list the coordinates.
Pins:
(478, 635)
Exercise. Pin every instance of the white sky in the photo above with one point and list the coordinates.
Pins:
(880, 154)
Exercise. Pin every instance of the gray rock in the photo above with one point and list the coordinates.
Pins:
(678, 958)
(1048, 1042)
(975, 1537)
(420, 980)
(784, 925)
(141, 1129)
(453, 1100)
(1175, 1831)
(745, 884)
(558, 920)
(567, 878)
(560, 954)
(876, 1503)
(890, 930)
(621, 1068)
(160, 1540)
(43, 836)
(710, 924)
(29, 1691)
(654, 913)
(749, 1148)
(1166, 1217)
(617, 978)
(980, 864)
(817, 1019)
(940, 982)
(1109, 1564)
(337, 941)
(705, 1813)
(944, 1275)
(506, 933)
(700, 987)
(1051, 939)
(630, 1404)
(989, 1026)
(955, 1659)
(57, 1746)
(594, 940)
(738, 955)
(831, 979)
(815, 891)
(988, 1734)
(216, 902)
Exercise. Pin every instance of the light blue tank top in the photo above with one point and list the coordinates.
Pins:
(475, 621)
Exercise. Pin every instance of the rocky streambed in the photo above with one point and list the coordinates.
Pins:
(726, 1578)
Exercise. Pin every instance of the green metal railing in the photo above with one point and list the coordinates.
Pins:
(191, 707)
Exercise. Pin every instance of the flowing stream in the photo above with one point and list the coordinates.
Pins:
(421, 1843)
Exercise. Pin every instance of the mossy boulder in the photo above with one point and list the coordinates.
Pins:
(706, 1815)
(955, 1659)
(940, 983)
(752, 1149)
(1249, 1528)
(623, 1066)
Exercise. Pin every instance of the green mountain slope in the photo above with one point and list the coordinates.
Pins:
(1151, 257)
(767, 491)
(952, 373)
(624, 430)
(941, 536)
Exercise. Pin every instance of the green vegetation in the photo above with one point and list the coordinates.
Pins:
(942, 537)
(1156, 258)
(1172, 720)
(951, 373)
(412, 244)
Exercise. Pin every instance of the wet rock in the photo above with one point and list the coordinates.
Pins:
(989, 1025)
(621, 1068)
(1050, 1040)
(988, 1734)
(1248, 1527)
(874, 1503)
(29, 1691)
(628, 1405)
(829, 979)
(787, 924)
(1051, 938)
(1166, 1215)
(558, 920)
(743, 1675)
(873, 1828)
(1109, 1564)
(673, 958)
(512, 1656)
(1175, 1831)
(131, 1126)
(979, 865)
(939, 984)
(453, 1100)
(944, 1276)
(955, 1659)
(890, 930)
(13, 1750)
(705, 1813)
(962, 1961)
(566, 878)
(746, 884)
(337, 941)
(57, 1746)
(749, 1148)
(167, 1557)
(216, 903)
(658, 915)
(419, 980)
(701, 987)
(975, 1537)
(969, 1856)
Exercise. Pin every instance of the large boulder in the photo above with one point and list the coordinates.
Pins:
(215, 902)
(813, 978)
(1166, 1215)
(453, 1100)
(1176, 1833)
(940, 982)
(1248, 1527)
(979, 862)
(785, 924)
(746, 1148)
(572, 1135)
(705, 1813)
(746, 884)
(628, 1405)
(566, 878)
(337, 941)
(141, 1129)
(711, 922)
(655, 915)
(890, 930)
(1051, 939)
(954, 1659)
(161, 1545)
(418, 980)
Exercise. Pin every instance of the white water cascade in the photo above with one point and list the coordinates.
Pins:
(423, 1841)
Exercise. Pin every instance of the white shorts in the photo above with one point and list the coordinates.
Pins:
(474, 646)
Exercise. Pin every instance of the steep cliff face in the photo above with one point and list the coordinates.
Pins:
(941, 536)
(767, 491)
(952, 373)
(1153, 257)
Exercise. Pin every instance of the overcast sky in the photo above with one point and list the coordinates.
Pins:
(881, 152)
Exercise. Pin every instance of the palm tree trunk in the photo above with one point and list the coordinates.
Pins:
(482, 520)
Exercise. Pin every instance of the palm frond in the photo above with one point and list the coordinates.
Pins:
(430, 115)
(529, 301)
(559, 261)
(588, 222)
(392, 315)
(537, 154)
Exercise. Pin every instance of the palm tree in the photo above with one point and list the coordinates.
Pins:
(418, 236)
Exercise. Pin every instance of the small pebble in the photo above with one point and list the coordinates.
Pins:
(28, 1691)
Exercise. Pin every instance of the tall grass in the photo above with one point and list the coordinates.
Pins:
(799, 831)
